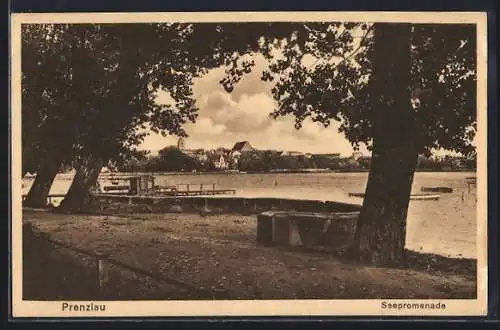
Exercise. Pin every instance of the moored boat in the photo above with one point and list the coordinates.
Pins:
(412, 196)
(437, 189)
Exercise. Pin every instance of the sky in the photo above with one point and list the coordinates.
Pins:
(243, 115)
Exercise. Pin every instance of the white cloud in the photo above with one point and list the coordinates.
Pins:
(225, 118)
(205, 127)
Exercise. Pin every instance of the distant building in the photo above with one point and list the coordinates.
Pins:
(292, 153)
(239, 148)
(242, 146)
(329, 156)
(221, 163)
(356, 155)
(181, 144)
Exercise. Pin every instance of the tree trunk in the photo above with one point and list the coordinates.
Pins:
(84, 182)
(381, 230)
(24, 161)
(39, 192)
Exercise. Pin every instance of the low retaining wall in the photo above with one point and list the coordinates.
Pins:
(240, 205)
(306, 229)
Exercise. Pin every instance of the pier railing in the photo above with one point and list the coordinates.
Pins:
(190, 189)
(145, 184)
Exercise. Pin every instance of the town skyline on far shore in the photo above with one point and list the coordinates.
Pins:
(155, 142)
(173, 141)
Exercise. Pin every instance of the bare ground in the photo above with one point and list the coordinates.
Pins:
(218, 255)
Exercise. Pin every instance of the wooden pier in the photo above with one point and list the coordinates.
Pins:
(199, 190)
(144, 185)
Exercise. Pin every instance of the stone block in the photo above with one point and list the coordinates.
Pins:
(265, 228)
(306, 229)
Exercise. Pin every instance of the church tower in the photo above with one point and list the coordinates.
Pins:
(180, 144)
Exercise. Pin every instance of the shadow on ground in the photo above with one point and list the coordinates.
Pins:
(217, 256)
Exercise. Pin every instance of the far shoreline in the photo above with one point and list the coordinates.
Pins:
(275, 172)
(112, 173)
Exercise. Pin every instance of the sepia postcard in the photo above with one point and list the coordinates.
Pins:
(249, 164)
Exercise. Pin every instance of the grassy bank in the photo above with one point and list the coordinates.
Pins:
(217, 254)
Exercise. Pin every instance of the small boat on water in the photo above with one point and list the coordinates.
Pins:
(471, 179)
(113, 186)
(357, 195)
(425, 197)
(116, 188)
(412, 196)
(437, 189)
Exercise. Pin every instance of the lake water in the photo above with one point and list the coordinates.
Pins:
(446, 226)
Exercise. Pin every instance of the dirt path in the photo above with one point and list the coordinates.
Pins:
(219, 254)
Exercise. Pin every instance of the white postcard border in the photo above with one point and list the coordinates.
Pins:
(363, 307)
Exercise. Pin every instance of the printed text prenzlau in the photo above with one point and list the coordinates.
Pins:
(78, 307)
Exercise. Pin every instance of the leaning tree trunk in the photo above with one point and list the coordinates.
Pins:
(381, 230)
(39, 191)
(84, 182)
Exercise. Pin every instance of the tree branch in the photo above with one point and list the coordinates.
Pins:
(345, 58)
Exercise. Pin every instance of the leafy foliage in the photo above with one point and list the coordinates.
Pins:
(339, 87)
(96, 84)
(172, 159)
(45, 72)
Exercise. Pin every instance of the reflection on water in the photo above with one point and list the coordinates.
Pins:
(446, 226)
